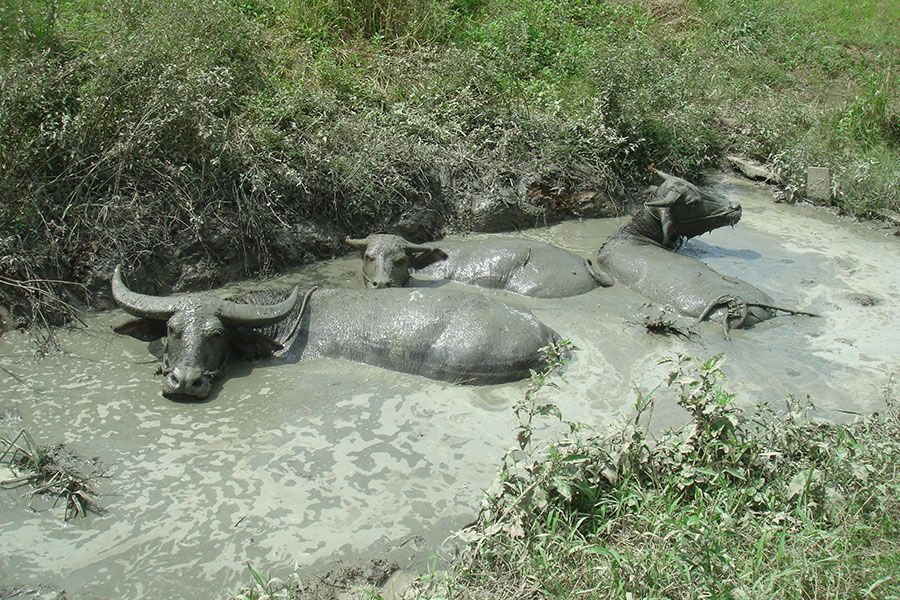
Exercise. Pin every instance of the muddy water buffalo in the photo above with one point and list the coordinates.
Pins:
(642, 256)
(441, 334)
(520, 266)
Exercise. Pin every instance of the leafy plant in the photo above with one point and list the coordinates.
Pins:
(555, 358)
(725, 506)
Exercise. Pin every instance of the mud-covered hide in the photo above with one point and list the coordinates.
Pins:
(524, 267)
(642, 256)
(680, 282)
(442, 334)
(199, 331)
(678, 212)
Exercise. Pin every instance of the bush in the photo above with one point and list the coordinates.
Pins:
(729, 506)
(202, 141)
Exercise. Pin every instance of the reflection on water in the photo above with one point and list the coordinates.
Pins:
(305, 462)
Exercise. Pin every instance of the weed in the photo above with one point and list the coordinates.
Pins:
(359, 580)
(51, 471)
(765, 504)
(554, 358)
(241, 136)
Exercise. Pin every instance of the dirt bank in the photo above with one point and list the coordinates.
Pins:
(179, 259)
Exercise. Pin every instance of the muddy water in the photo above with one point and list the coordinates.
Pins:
(307, 463)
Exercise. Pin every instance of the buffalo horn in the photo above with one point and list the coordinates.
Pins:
(257, 315)
(155, 308)
(418, 247)
(668, 200)
(357, 243)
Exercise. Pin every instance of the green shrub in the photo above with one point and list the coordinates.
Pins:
(158, 133)
(732, 505)
(872, 116)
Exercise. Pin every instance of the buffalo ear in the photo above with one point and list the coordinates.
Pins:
(667, 224)
(142, 329)
(429, 257)
(672, 195)
(253, 344)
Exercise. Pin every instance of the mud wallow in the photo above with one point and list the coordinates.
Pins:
(201, 141)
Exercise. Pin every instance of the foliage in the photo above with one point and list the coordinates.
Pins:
(554, 358)
(266, 587)
(731, 505)
(220, 132)
(50, 470)
(347, 581)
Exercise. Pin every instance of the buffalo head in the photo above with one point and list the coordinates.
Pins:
(199, 333)
(684, 211)
(387, 259)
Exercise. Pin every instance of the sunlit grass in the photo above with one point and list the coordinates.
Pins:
(733, 505)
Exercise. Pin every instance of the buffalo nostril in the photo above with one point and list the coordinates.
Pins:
(198, 383)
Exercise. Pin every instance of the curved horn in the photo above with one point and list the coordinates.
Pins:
(257, 315)
(410, 247)
(663, 174)
(671, 197)
(155, 308)
(357, 243)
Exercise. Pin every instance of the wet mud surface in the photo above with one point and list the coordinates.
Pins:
(325, 461)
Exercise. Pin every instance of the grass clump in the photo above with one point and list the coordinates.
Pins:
(732, 505)
(349, 580)
(52, 471)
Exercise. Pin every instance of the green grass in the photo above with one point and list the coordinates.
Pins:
(349, 584)
(733, 505)
(862, 24)
(157, 134)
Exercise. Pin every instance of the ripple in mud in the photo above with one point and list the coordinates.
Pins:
(32, 593)
(864, 299)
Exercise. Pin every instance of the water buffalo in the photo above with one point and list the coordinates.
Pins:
(520, 266)
(642, 255)
(441, 334)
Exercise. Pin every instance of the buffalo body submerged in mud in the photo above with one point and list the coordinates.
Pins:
(642, 255)
(441, 334)
(521, 266)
